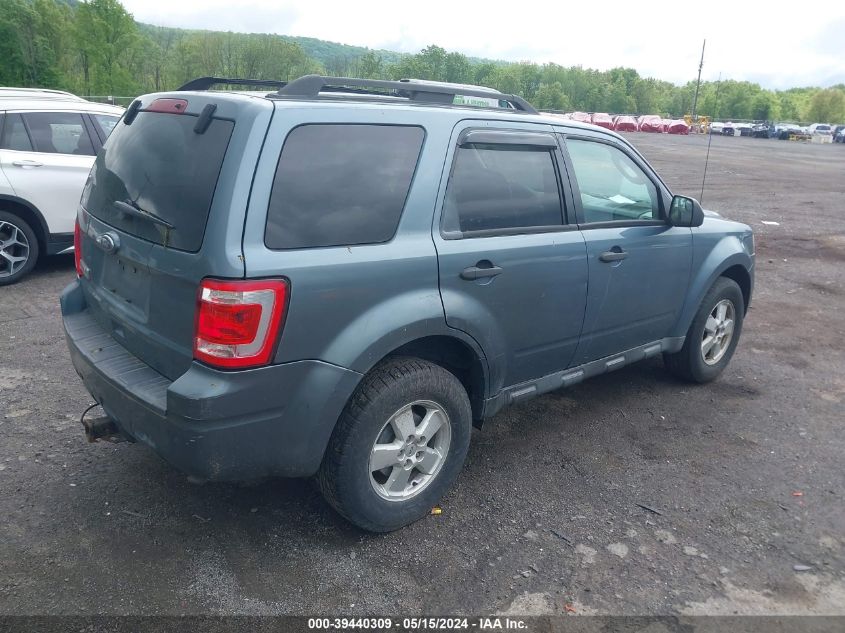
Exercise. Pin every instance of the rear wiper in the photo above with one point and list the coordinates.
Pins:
(132, 208)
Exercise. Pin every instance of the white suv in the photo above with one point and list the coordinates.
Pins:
(48, 140)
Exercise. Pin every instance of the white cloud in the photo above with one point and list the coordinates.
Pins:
(803, 46)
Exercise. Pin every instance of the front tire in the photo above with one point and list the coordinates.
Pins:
(18, 248)
(713, 336)
(398, 446)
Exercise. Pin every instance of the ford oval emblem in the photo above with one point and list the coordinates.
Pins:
(107, 242)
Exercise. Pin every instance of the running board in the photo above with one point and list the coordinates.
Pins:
(574, 375)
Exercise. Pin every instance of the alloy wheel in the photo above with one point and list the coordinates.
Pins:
(14, 249)
(718, 332)
(410, 450)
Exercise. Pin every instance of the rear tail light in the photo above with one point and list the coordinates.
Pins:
(77, 248)
(238, 322)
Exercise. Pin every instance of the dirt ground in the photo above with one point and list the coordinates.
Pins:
(746, 474)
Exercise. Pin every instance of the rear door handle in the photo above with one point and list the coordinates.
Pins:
(475, 272)
(613, 256)
(27, 163)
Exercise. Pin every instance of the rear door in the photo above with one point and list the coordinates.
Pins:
(639, 266)
(164, 208)
(46, 157)
(513, 273)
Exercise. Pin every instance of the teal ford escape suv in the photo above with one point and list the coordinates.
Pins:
(339, 277)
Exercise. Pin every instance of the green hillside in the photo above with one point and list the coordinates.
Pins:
(328, 53)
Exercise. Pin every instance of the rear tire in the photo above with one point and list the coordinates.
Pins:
(18, 248)
(415, 418)
(713, 336)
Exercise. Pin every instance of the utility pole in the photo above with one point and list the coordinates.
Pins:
(698, 83)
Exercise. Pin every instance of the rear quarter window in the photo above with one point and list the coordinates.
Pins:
(341, 184)
(105, 122)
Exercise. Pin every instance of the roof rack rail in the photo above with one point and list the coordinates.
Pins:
(205, 83)
(310, 87)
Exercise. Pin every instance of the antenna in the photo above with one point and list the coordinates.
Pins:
(698, 82)
(710, 138)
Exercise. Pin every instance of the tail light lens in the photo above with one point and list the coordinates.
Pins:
(77, 248)
(238, 322)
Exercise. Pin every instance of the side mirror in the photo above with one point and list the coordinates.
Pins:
(685, 212)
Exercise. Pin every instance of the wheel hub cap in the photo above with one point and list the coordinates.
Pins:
(410, 450)
(14, 249)
(718, 332)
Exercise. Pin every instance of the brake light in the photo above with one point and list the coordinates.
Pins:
(77, 248)
(238, 322)
(170, 106)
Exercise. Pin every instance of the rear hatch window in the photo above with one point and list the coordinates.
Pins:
(155, 179)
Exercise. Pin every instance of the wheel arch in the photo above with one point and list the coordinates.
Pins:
(461, 358)
(30, 214)
(742, 277)
(727, 260)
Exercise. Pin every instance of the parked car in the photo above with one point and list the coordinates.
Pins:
(743, 129)
(602, 119)
(763, 130)
(677, 126)
(37, 93)
(341, 284)
(624, 123)
(650, 123)
(582, 117)
(737, 129)
(48, 140)
(785, 130)
(839, 134)
(820, 129)
(716, 127)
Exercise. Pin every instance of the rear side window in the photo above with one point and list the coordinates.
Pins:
(160, 167)
(502, 187)
(106, 123)
(59, 133)
(14, 134)
(341, 185)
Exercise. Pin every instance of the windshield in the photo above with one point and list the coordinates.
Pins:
(155, 179)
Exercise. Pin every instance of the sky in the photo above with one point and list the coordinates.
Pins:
(804, 46)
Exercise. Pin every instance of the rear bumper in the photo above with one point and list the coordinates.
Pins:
(213, 425)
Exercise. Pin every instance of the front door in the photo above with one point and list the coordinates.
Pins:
(513, 273)
(639, 266)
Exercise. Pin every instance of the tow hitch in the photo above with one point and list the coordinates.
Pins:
(100, 428)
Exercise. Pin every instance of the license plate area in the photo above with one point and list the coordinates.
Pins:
(126, 286)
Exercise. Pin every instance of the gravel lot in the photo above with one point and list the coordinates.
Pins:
(746, 473)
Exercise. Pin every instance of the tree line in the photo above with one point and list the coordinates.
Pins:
(96, 48)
